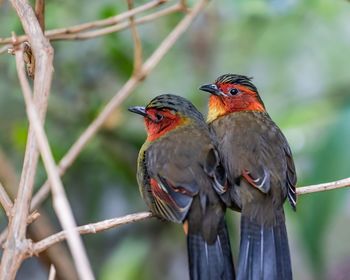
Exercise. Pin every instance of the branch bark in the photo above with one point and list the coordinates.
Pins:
(5, 201)
(42, 245)
(60, 201)
(117, 27)
(93, 228)
(91, 25)
(137, 41)
(40, 12)
(16, 243)
(324, 186)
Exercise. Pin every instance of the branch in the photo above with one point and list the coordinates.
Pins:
(117, 27)
(42, 245)
(324, 187)
(5, 48)
(119, 97)
(16, 242)
(57, 255)
(137, 42)
(60, 201)
(93, 228)
(40, 12)
(5, 201)
(102, 31)
(91, 25)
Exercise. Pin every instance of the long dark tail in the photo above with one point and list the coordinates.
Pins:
(264, 251)
(210, 261)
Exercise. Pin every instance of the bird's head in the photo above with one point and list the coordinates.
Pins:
(232, 93)
(165, 113)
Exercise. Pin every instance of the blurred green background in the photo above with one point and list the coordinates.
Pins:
(299, 55)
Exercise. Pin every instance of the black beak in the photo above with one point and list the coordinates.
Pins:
(138, 110)
(212, 89)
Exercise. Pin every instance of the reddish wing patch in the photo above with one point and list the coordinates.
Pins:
(246, 175)
(170, 202)
(261, 183)
(158, 191)
(161, 194)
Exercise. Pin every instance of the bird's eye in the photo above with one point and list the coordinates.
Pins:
(233, 91)
(159, 117)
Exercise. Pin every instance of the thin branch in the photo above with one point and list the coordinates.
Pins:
(16, 242)
(117, 27)
(5, 201)
(42, 245)
(119, 97)
(94, 24)
(32, 217)
(40, 12)
(106, 30)
(324, 187)
(60, 201)
(137, 42)
(5, 48)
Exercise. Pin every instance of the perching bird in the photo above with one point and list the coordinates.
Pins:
(261, 174)
(180, 179)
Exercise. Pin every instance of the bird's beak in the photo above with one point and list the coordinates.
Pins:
(212, 89)
(138, 110)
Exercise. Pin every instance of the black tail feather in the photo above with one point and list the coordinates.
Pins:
(210, 261)
(264, 251)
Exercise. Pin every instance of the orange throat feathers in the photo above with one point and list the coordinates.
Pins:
(216, 108)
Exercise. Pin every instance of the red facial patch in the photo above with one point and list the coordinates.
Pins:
(245, 100)
(157, 128)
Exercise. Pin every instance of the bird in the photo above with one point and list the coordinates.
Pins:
(260, 171)
(180, 177)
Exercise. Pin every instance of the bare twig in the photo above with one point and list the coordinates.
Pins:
(5, 48)
(131, 218)
(42, 245)
(16, 243)
(32, 217)
(92, 25)
(106, 30)
(5, 201)
(119, 97)
(137, 42)
(60, 201)
(117, 27)
(324, 187)
(40, 12)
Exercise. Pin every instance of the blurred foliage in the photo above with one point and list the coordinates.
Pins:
(298, 53)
